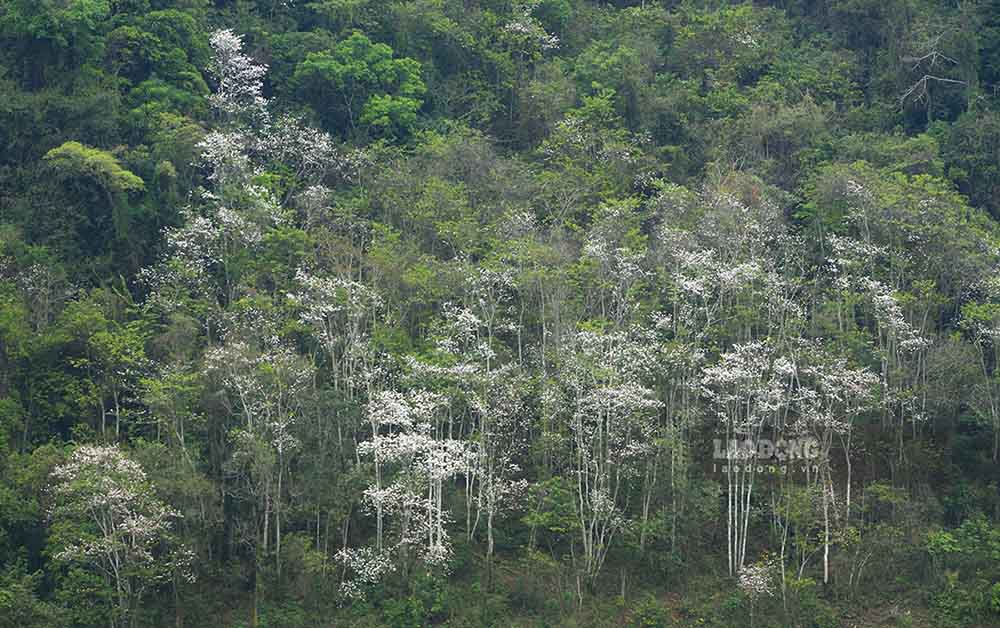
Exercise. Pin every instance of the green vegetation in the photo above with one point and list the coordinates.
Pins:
(449, 312)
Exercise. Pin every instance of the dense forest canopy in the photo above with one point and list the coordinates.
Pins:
(499, 312)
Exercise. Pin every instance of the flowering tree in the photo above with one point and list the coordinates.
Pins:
(206, 269)
(901, 345)
(497, 399)
(340, 313)
(239, 79)
(494, 394)
(726, 260)
(982, 322)
(835, 397)
(679, 364)
(748, 388)
(206, 254)
(610, 418)
(45, 290)
(524, 36)
(413, 459)
(757, 581)
(902, 352)
(499, 441)
(106, 515)
(910, 245)
(491, 292)
(185, 275)
(620, 267)
(265, 387)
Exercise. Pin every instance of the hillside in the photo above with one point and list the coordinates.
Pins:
(499, 313)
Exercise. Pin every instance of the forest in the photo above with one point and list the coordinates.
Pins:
(518, 313)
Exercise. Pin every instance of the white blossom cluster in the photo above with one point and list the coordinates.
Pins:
(44, 289)
(265, 385)
(407, 447)
(834, 393)
(751, 229)
(747, 386)
(101, 486)
(503, 416)
(859, 193)
(460, 329)
(240, 79)
(255, 138)
(611, 415)
(852, 256)
(574, 135)
(226, 154)
(748, 36)
(519, 224)
(891, 317)
(310, 153)
(526, 32)
(719, 251)
(324, 297)
(757, 580)
(368, 567)
(618, 419)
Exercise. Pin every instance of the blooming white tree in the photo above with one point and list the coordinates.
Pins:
(525, 34)
(201, 270)
(309, 154)
(185, 273)
(611, 420)
(239, 79)
(748, 389)
(901, 345)
(251, 137)
(727, 260)
(757, 581)
(981, 322)
(678, 381)
(832, 400)
(494, 394)
(106, 516)
(45, 290)
(340, 312)
(265, 386)
(413, 459)
(620, 267)
(499, 441)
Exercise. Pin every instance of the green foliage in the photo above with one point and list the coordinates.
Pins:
(101, 194)
(358, 81)
(966, 573)
(422, 606)
(20, 605)
(73, 161)
(650, 614)
(64, 25)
